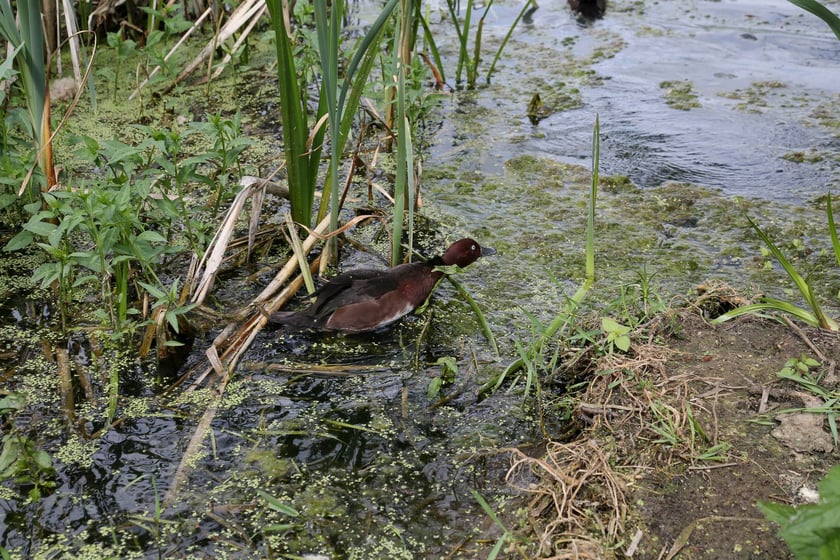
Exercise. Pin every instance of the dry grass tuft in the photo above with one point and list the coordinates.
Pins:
(576, 492)
(635, 414)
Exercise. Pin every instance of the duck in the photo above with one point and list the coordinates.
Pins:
(588, 9)
(365, 300)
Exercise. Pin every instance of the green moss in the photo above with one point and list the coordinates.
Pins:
(680, 95)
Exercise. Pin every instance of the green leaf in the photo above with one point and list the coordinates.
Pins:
(47, 273)
(21, 240)
(821, 12)
(277, 505)
(154, 290)
(610, 325)
(622, 343)
(779, 514)
(42, 460)
(12, 401)
(9, 457)
(434, 388)
(151, 237)
(39, 228)
(278, 527)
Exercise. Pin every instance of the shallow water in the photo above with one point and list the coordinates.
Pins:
(721, 48)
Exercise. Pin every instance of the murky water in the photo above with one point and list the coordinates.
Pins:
(733, 141)
(374, 468)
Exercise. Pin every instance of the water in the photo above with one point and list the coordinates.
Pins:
(721, 48)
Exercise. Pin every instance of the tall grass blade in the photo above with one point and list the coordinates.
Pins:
(463, 33)
(832, 229)
(429, 38)
(300, 159)
(24, 28)
(498, 54)
(401, 172)
(800, 282)
(821, 12)
(770, 304)
(328, 48)
(353, 85)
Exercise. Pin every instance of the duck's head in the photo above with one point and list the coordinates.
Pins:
(463, 253)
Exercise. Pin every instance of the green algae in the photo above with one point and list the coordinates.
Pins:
(680, 95)
(683, 233)
(757, 96)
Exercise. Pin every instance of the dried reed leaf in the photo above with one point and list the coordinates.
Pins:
(244, 13)
(177, 45)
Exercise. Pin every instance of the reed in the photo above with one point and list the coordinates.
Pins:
(469, 62)
(23, 31)
(821, 12)
(303, 154)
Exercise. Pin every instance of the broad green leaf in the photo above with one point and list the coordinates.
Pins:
(821, 12)
(19, 241)
(40, 228)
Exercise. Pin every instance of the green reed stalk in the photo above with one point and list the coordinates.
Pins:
(352, 87)
(463, 35)
(432, 46)
(26, 30)
(529, 5)
(329, 37)
(404, 187)
(821, 12)
(302, 160)
(402, 197)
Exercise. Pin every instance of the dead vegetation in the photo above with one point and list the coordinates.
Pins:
(668, 462)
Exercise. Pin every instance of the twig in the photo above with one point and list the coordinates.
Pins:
(634, 544)
(804, 338)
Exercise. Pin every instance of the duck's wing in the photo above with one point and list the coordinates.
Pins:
(353, 287)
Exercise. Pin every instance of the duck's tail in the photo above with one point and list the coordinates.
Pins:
(293, 319)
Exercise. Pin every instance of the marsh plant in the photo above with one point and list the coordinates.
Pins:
(114, 233)
(22, 30)
(811, 531)
(469, 58)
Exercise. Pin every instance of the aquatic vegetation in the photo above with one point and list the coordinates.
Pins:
(469, 62)
(821, 12)
(680, 95)
(814, 315)
(28, 49)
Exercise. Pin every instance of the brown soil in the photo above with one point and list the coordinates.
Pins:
(675, 504)
(731, 367)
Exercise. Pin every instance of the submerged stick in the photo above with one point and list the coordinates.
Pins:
(237, 343)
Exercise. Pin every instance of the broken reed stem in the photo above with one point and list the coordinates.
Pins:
(224, 364)
(62, 360)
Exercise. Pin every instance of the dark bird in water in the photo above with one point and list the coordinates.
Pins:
(589, 9)
(365, 300)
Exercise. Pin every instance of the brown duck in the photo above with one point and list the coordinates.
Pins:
(365, 300)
